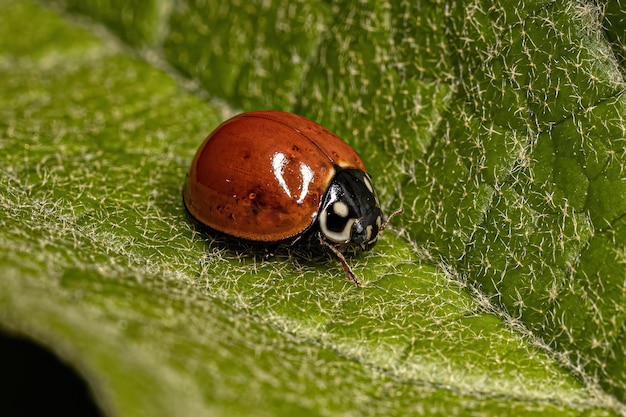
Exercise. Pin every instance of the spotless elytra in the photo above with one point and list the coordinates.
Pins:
(270, 177)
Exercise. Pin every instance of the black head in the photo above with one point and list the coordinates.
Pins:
(350, 213)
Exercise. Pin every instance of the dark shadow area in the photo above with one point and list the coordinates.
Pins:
(34, 382)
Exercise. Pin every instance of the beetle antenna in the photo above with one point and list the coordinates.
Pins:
(394, 214)
(342, 260)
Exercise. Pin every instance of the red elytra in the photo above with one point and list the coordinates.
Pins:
(270, 176)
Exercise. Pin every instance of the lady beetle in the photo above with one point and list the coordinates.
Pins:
(271, 176)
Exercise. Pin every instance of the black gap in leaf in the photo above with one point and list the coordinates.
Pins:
(34, 382)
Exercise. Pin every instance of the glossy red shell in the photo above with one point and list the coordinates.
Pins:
(260, 176)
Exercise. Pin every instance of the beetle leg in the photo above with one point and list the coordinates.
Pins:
(341, 259)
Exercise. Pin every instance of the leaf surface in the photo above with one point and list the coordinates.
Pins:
(500, 133)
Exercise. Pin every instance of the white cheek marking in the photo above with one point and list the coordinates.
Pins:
(368, 183)
(379, 221)
(337, 237)
(341, 209)
(368, 232)
(367, 180)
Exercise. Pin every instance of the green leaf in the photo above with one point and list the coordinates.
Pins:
(498, 127)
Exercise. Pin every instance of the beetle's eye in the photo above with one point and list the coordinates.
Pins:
(365, 230)
(360, 232)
